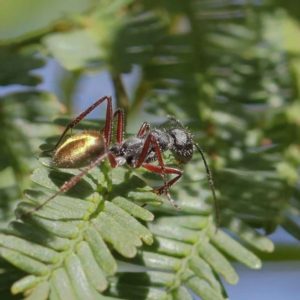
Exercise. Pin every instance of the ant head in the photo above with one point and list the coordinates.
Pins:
(182, 145)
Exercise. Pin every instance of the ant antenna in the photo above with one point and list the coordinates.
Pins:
(209, 177)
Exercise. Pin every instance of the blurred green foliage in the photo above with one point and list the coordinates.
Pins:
(230, 71)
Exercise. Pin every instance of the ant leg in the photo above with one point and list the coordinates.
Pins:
(169, 170)
(211, 182)
(119, 114)
(108, 122)
(120, 125)
(160, 169)
(68, 184)
(144, 128)
(167, 185)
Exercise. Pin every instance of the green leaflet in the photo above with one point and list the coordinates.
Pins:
(204, 271)
(101, 253)
(200, 287)
(92, 270)
(78, 277)
(17, 16)
(33, 234)
(24, 262)
(41, 292)
(62, 285)
(171, 247)
(155, 261)
(218, 262)
(129, 223)
(72, 208)
(30, 249)
(249, 235)
(73, 57)
(17, 66)
(157, 279)
(113, 232)
(234, 249)
(25, 283)
(133, 209)
(182, 294)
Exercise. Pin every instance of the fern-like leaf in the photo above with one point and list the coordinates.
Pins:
(66, 246)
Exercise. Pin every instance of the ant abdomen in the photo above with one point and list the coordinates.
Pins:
(79, 150)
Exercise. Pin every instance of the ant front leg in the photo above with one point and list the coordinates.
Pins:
(108, 121)
(167, 185)
(161, 169)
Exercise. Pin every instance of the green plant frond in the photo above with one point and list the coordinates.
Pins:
(24, 118)
(65, 247)
(16, 65)
(188, 252)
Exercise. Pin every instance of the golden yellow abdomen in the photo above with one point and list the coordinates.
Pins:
(79, 150)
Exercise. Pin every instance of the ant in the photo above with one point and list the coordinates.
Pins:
(89, 148)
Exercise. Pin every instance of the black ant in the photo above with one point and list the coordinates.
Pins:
(89, 148)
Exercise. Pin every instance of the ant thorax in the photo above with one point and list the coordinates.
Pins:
(178, 141)
(131, 149)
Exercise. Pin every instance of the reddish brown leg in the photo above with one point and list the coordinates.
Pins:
(119, 114)
(144, 128)
(108, 122)
(167, 185)
(68, 184)
(168, 170)
(120, 125)
(160, 169)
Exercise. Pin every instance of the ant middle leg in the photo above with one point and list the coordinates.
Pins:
(167, 185)
(144, 128)
(161, 169)
(119, 115)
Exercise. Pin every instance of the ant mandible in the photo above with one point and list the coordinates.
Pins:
(89, 148)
